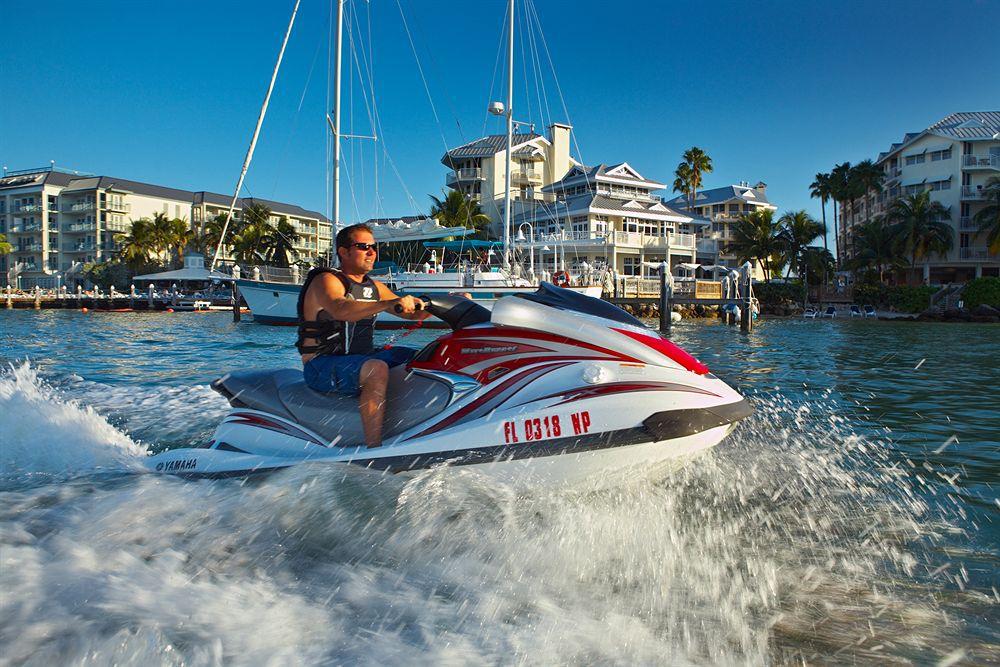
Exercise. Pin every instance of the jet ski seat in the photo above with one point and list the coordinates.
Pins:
(412, 399)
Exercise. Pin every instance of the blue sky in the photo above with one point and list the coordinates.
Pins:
(168, 92)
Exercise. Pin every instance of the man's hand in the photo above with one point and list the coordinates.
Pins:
(408, 304)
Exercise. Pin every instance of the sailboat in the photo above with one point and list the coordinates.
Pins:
(274, 301)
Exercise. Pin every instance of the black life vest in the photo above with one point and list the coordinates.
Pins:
(336, 336)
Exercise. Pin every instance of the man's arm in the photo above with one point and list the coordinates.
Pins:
(407, 302)
(333, 299)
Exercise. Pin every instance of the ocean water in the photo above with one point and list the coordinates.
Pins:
(852, 520)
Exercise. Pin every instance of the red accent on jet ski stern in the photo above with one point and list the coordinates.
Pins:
(668, 349)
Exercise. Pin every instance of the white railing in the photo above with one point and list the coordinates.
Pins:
(25, 229)
(78, 206)
(81, 227)
(29, 247)
(973, 192)
(966, 223)
(529, 174)
(465, 174)
(708, 246)
(974, 253)
(27, 208)
(118, 206)
(985, 161)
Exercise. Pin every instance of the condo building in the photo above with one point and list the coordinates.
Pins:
(479, 168)
(58, 221)
(953, 159)
(722, 207)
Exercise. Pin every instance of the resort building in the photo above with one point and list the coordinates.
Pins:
(723, 207)
(479, 168)
(58, 221)
(953, 159)
(603, 216)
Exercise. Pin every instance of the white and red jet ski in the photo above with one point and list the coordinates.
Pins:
(551, 383)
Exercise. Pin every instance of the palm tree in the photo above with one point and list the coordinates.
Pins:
(798, 230)
(867, 176)
(281, 244)
(211, 231)
(917, 225)
(876, 248)
(840, 192)
(988, 219)
(699, 163)
(820, 189)
(5, 248)
(136, 247)
(459, 210)
(756, 238)
(180, 237)
(682, 182)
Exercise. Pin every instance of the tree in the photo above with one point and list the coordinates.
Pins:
(138, 245)
(867, 176)
(798, 230)
(211, 231)
(756, 238)
(840, 191)
(180, 237)
(988, 219)
(876, 248)
(5, 248)
(698, 163)
(917, 224)
(682, 182)
(281, 244)
(459, 210)
(820, 189)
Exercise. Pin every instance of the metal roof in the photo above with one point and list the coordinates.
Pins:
(589, 174)
(962, 125)
(489, 146)
(720, 196)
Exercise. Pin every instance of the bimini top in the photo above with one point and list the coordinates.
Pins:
(566, 299)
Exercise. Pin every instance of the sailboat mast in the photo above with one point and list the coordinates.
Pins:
(510, 136)
(335, 212)
(253, 140)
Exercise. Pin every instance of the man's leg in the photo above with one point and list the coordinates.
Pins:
(374, 380)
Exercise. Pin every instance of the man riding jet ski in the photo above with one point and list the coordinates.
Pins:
(337, 311)
(551, 386)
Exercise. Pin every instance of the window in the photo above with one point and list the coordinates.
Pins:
(631, 266)
(916, 159)
(937, 156)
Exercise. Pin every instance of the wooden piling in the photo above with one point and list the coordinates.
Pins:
(236, 302)
(664, 303)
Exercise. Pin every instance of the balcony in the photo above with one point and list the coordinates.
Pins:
(973, 192)
(974, 253)
(80, 227)
(30, 247)
(118, 226)
(526, 176)
(118, 206)
(967, 224)
(78, 207)
(640, 240)
(26, 209)
(80, 247)
(892, 174)
(465, 174)
(707, 246)
(981, 162)
(26, 229)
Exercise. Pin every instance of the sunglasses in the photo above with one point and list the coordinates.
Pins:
(365, 247)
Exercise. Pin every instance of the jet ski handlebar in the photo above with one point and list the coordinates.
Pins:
(454, 310)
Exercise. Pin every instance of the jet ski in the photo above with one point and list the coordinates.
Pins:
(549, 384)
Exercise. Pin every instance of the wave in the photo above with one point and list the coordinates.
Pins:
(43, 433)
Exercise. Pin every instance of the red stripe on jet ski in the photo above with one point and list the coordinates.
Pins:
(513, 333)
(483, 401)
(668, 349)
(270, 425)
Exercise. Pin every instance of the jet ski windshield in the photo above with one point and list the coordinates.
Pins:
(566, 299)
(456, 311)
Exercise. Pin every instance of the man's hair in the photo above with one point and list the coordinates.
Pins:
(345, 235)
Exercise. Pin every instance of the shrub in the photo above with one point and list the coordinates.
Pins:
(982, 290)
(772, 294)
(904, 298)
